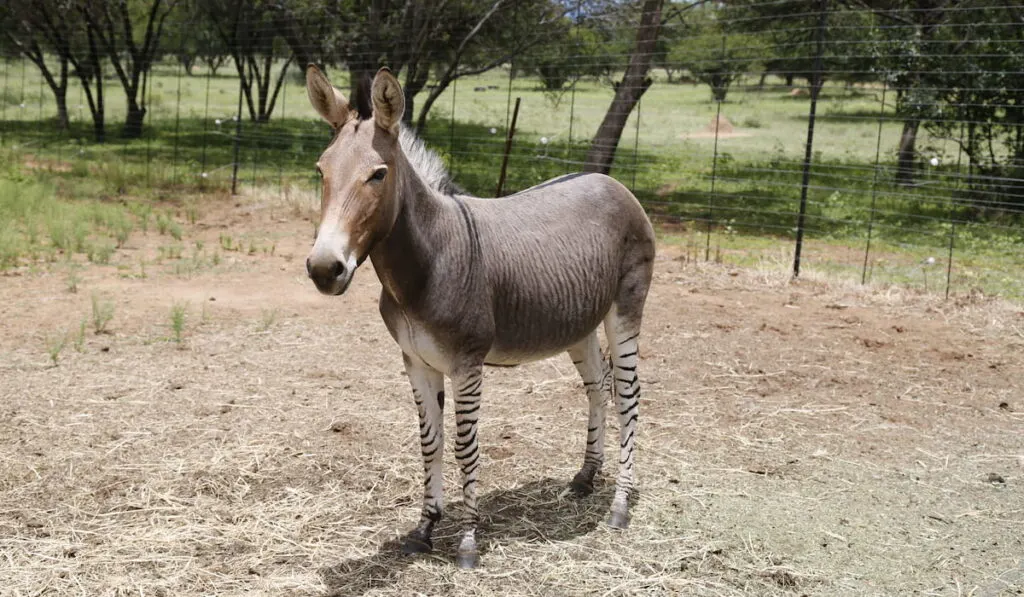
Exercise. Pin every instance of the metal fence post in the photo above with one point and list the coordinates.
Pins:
(147, 90)
(577, 16)
(451, 129)
(284, 112)
(714, 173)
(952, 213)
(177, 116)
(636, 145)
(816, 85)
(206, 118)
(237, 141)
(3, 94)
(874, 183)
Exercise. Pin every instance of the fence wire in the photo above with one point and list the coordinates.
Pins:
(869, 139)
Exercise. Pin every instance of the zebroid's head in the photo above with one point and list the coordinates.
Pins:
(358, 203)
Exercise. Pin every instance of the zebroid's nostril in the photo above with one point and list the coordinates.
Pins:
(309, 267)
(338, 270)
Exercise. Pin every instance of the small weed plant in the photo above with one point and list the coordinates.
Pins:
(102, 313)
(178, 313)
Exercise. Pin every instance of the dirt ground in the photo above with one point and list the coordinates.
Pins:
(808, 438)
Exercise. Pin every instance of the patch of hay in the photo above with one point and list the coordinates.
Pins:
(720, 125)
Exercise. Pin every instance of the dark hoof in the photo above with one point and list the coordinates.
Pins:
(619, 520)
(416, 543)
(581, 486)
(467, 560)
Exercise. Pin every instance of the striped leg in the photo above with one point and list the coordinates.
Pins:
(622, 342)
(467, 453)
(597, 382)
(428, 391)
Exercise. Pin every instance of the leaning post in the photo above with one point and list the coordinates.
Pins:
(508, 149)
(816, 85)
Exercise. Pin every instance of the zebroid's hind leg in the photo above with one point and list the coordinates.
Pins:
(428, 391)
(622, 343)
(597, 382)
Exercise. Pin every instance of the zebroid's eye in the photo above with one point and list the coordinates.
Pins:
(379, 174)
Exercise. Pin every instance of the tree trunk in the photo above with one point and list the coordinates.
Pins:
(421, 121)
(435, 92)
(213, 63)
(187, 61)
(245, 79)
(61, 96)
(719, 84)
(99, 126)
(263, 86)
(294, 36)
(361, 67)
(97, 108)
(359, 74)
(410, 106)
(272, 100)
(133, 121)
(57, 82)
(907, 152)
(110, 24)
(95, 71)
(415, 81)
(635, 82)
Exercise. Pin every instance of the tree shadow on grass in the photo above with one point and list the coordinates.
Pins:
(533, 512)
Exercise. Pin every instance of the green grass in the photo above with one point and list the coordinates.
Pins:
(666, 156)
(102, 313)
(45, 219)
(73, 279)
(55, 345)
(79, 338)
(177, 318)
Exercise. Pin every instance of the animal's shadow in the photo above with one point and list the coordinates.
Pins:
(539, 511)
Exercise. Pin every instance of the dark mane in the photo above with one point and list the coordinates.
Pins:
(361, 102)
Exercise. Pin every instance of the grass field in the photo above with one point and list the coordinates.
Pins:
(667, 160)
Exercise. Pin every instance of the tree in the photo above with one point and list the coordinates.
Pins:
(713, 53)
(129, 34)
(906, 53)
(46, 28)
(249, 29)
(490, 35)
(571, 52)
(634, 84)
(418, 39)
(976, 99)
(672, 34)
(309, 27)
(193, 38)
(36, 30)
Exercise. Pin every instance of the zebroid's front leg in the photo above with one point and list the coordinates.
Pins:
(428, 391)
(468, 384)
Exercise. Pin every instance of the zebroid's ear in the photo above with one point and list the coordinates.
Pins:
(327, 101)
(388, 101)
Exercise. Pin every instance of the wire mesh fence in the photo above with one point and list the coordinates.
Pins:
(876, 140)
